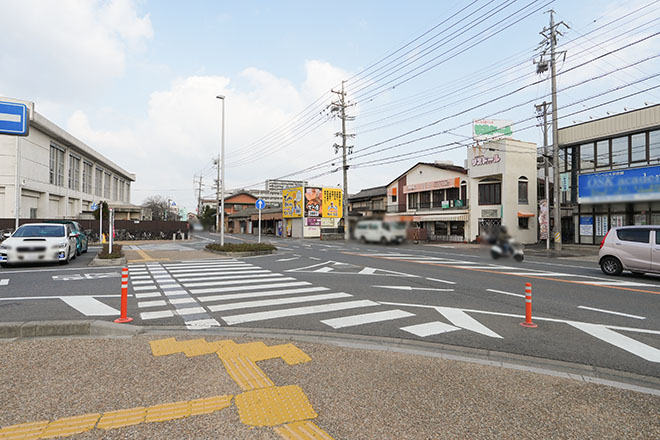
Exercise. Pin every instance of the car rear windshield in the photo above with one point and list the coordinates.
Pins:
(636, 235)
(40, 231)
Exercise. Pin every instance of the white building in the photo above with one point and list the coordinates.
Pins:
(58, 175)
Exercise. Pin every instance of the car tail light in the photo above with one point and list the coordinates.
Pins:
(602, 242)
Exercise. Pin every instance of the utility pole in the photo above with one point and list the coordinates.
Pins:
(199, 196)
(550, 42)
(217, 196)
(340, 106)
(543, 108)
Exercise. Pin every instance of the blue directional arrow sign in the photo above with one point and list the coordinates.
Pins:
(94, 206)
(260, 204)
(13, 118)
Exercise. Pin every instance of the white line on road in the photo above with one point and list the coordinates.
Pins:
(429, 329)
(296, 311)
(611, 312)
(441, 281)
(274, 277)
(630, 345)
(366, 318)
(256, 287)
(277, 302)
(506, 293)
(409, 288)
(245, 275)
(463, 320)
(157, 303)
(156, 315)
(4, 282)
(260, 294)
(147, 295)
(287, 259)
(89, 306)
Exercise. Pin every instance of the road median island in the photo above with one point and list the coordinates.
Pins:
(241, 249)
(172, 384)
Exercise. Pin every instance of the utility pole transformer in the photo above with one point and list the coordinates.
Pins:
(340, 106)
(550, 42)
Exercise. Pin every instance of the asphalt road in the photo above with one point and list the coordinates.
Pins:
(437, 294)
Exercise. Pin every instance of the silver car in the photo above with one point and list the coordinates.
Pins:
(39, 242)
(633, 248)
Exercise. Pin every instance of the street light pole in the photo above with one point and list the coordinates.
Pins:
(222, 175)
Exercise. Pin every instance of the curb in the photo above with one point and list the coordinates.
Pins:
(240, 254)
(98, 262)
(549, 367)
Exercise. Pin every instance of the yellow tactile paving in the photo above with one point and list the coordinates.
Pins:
(70, 425)
(164, 347)
(167, 411)
(209, 405)
(302, 431)
(291, 354)
(23, 431)
(246, 374)
(274, 406)
(121, 418)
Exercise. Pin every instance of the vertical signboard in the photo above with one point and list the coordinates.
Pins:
(313, 202)
(332, 203)
(586, 225)
(292, 202)
(543, 219)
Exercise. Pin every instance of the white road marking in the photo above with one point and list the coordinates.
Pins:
(441, 281)
(158, 303)
(311, 258)
(5, 282)
(277, 302)
(89, 306)
(245, 275)
(285, 259)
(366, 318)
(200, 324)
(430, 329)
(186, 300)
(465, 321)
(141, 277)
(156, 315)
(409, 288)
(389, 273)
(630, 345)
(296, 311)
(611, 312)
(142, 288)
(256, 287)
(506, 293)
(141, 282)
(214, 271)
(191, 311)
(147, 295)
(274, 277)
(260, 294)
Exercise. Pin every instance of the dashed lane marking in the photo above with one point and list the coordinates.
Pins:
(611, 312)
(4, 282)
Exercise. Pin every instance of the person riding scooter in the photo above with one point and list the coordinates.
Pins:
(505, 246)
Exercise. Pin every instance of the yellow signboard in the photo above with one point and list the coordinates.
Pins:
(332, 203)
(292, 202)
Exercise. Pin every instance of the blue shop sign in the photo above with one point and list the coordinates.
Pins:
(633, 184)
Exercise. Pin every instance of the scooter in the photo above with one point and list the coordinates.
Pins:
(510, 249)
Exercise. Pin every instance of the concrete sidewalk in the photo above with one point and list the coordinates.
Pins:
(232, 386)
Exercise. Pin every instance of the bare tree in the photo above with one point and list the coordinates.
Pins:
(158, 206)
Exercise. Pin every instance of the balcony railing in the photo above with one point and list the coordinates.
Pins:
(427, 206)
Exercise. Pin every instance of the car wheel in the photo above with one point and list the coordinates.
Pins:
(383, 241)
(363, 240)
(78, 252)
(611, 266)
(3, 264)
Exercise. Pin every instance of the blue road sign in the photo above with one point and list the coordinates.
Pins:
(260, 204)
(13, 118)
(94, 206)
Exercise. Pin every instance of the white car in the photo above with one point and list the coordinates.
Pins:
(39, 242)
(633, 248)
(378, 231)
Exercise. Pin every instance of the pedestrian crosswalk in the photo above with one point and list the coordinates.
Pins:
(232, 292)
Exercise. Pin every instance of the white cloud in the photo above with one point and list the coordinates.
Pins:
(182, 130)
(66, 48)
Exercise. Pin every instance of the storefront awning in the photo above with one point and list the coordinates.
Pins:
(525, 214)
(442, 218)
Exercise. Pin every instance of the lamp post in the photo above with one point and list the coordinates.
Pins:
(222, 177)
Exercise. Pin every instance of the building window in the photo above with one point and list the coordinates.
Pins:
(453, 193)
(106, 187)
(98, 182)
(56, 166)
(33, 212)
(394, 199)
(425, 199)
(654, 146)
(122, 184)
(523, 222)
(115, 188)
(412, 201)
(490, 193)
(464, 192)
(523, 185)
(638, 147)
(603, 154)
(587, 157)
(87, 177)
(74, 172)
(620, 152)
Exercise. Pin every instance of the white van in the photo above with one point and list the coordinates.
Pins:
(633, 248)
(378, 231)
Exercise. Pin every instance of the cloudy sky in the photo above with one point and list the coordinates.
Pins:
(137, 80)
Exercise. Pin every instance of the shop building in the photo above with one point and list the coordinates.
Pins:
(503, 188)
(610, 174)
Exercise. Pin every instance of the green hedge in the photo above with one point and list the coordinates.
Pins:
(116, 252)
(242, 247)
